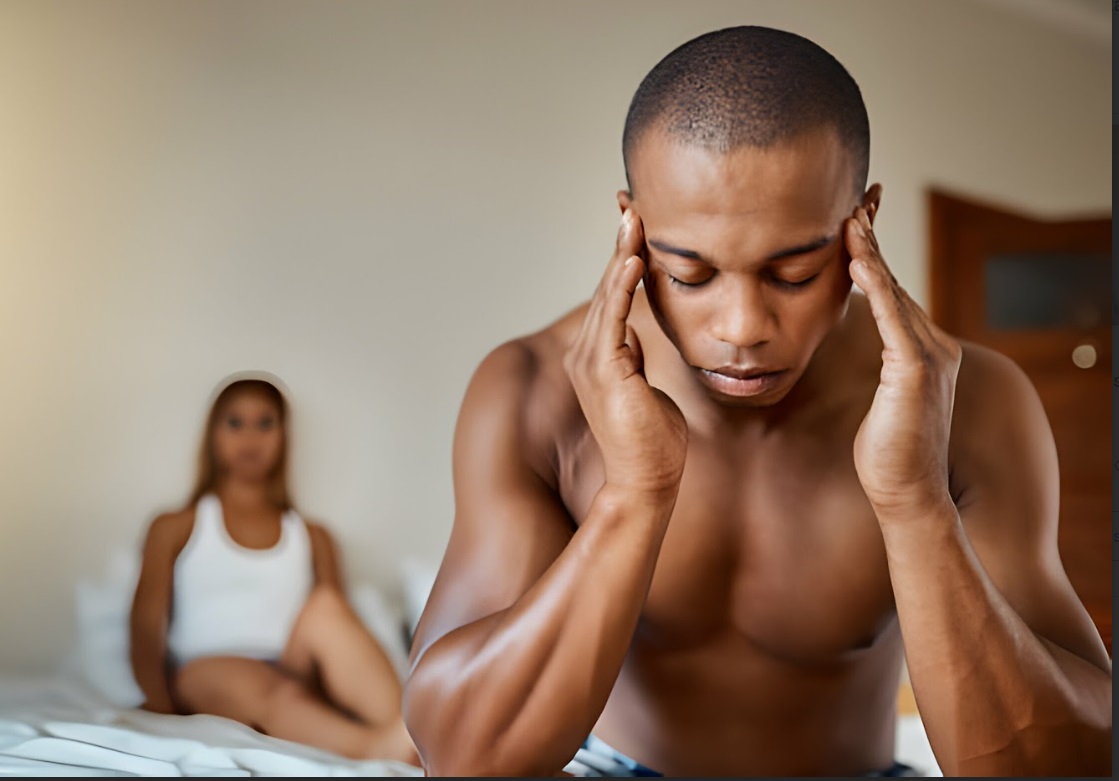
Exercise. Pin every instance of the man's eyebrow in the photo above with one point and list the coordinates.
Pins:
(683, 253)
(802, 249)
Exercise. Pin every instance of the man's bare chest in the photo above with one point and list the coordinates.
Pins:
(780, 548)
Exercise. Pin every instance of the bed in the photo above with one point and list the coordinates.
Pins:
(59, 726)
(80, 721)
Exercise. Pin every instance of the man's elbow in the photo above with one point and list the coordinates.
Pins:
(430, 716)
(450, 753)
(453, 740)
(485, 761)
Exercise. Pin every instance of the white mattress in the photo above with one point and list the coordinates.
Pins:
(57, 726)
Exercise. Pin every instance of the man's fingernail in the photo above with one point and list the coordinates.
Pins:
(857, 266)
(627, 217)
(629, 260)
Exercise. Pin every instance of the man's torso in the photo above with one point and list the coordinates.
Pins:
(768, 642)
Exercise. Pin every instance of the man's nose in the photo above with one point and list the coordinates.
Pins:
(744, 318)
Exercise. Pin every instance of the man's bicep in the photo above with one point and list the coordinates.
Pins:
(1009, 508)
(493, 558)
(510, 526)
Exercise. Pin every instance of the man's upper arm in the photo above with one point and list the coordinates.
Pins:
(509, 524)
(1005, 474)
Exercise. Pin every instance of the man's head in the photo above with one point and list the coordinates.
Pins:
(745, 151)
(748, 87)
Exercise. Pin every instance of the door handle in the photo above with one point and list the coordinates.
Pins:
(1084, 356)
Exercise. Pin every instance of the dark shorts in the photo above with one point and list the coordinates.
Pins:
(595, 759)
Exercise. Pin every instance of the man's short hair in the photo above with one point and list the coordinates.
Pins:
(749, 86)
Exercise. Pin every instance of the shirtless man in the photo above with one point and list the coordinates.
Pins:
(700, 518)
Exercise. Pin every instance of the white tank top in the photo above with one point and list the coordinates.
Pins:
(230, 600)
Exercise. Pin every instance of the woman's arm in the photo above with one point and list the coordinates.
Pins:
(151, 609)
(324, 557)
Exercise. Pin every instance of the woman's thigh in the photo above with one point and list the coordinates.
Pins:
(230, 686)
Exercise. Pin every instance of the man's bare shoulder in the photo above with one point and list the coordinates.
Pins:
(524, 380)
(992, 391)
(528, 368)
(999, 426)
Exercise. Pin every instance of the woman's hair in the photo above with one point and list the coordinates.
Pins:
(208, 471)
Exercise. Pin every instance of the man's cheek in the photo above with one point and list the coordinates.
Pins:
(829, 307)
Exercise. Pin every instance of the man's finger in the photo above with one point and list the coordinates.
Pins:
(863, 243)
(918, 321)
(631, 236)
(616, 306)
(636, 354)
(890, 310)
(630, 239)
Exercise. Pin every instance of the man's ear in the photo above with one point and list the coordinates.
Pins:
(625, 200)
(872, 200)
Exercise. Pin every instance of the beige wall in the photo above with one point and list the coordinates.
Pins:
(364, 198)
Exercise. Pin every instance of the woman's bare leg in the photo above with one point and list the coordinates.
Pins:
(355, 672)
(275, 703)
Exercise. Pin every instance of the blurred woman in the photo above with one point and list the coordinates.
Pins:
(240, 609)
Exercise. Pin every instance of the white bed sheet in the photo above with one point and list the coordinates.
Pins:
(58, 726)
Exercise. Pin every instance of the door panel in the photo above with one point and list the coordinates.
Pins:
(1039, 291)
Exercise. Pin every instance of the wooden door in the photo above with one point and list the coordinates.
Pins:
(1039, 291)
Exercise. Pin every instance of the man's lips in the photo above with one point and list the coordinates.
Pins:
(742, 381)
(743, 372)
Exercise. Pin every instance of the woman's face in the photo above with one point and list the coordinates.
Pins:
(248, 437)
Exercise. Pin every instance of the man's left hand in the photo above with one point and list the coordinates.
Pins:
(901, 448)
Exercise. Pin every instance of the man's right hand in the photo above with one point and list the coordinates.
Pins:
(640, 430)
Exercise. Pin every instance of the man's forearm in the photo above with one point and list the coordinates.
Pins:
(995, 698)
(518, 691)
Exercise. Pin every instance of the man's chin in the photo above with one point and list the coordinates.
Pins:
(737, 402)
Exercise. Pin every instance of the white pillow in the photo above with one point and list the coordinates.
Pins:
(103, 604)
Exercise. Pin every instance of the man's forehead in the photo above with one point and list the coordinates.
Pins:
(809, 173)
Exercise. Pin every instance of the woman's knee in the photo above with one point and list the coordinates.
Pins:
(327, 596)
(325, 600)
